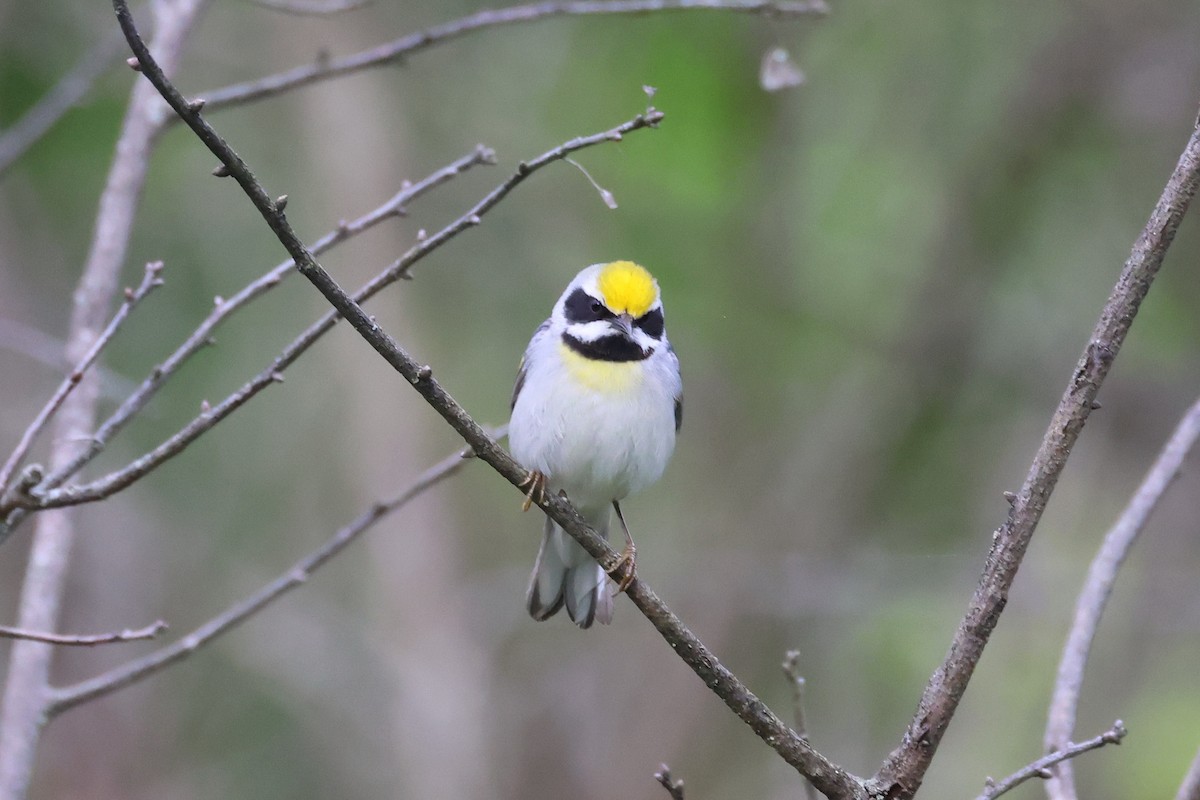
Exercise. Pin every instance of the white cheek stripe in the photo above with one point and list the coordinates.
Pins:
(591, 331)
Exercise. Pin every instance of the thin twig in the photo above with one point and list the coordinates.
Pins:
(396, 51)
(68, 697)
(672, 785)
(27, 676)
(902, 772)
(38, 497)
(108, 484)
(1102, 574)
(791, 670)
(85, 640)
(1041, 767)
(150, 281)
(605, 195)
(313, 8)
(828, 777)
(40, 118)
(401, 267)
(1190, 788)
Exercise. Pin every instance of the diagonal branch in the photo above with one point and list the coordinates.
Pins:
(396, 51)
(1098, 587)
(826, 776)
(39, 496)
(902, 772)
(1041, 767)
(85, 640)
(150, 281)
(104, 486)
(70, 696)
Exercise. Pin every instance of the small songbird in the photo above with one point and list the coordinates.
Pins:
(597, 404)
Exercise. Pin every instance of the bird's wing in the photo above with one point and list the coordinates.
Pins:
(521, 368)
(679, 393)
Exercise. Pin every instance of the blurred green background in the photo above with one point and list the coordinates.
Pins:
(878, 284)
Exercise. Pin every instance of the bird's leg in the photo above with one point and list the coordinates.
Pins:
(629, 554)
(536, 481)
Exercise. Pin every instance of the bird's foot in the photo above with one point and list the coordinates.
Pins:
(536, 482)
(628, 556)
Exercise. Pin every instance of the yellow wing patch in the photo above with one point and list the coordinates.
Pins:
(627, 287)
(601, 376)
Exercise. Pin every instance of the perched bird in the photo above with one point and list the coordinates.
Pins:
(597, 404)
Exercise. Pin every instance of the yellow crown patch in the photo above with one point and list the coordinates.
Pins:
(627, 287)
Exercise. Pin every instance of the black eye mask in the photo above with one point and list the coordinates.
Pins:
(582, 307)
(651, 323)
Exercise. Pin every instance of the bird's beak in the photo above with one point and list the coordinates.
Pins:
(624, 324)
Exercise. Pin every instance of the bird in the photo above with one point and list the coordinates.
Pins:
(597, 404)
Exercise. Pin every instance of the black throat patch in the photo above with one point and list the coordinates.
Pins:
(607, 348)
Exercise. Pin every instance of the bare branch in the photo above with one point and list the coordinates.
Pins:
(1098, 587)
(397, 50)
(28, 672)
(791, 670)
(1190, 788)
(828, 777)
(40, 118)
(113, 482)
(85, 640)
(902, 772)
(150, 281)
(70, 696)
(41, 498)
(313, 8)
(1041, 767)
(674, 787)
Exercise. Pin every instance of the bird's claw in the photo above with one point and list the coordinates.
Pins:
(536, 481)
(628, 556)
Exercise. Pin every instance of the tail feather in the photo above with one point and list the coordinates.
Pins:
(565, 575)
(545, 595)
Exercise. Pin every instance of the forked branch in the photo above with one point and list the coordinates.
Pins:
(1041, 767)
(150, 281)
(45, 493)
(826, 776)
(902, 773)
(1093, 599)
(70, 696)
(47, 496)
(904, 769)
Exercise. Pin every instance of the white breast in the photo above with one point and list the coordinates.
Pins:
(599, 430)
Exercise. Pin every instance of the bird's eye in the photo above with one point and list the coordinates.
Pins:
(582, 307)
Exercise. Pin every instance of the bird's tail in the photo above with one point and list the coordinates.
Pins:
(564, 574)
